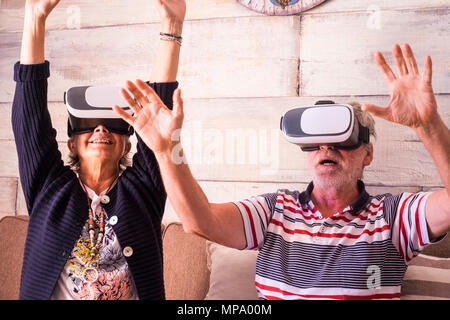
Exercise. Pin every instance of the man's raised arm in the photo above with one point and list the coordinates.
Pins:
(413, 104)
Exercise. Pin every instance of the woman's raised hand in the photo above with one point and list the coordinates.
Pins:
(172, 13)
(41, 8)
(156, 124)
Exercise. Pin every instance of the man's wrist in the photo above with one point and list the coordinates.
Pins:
(172, 155)
(434, 128)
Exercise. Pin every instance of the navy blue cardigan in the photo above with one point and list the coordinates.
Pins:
(57, 204)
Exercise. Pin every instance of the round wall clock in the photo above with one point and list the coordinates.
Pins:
(280, 7)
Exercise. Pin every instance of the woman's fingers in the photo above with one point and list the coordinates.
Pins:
(384, 67)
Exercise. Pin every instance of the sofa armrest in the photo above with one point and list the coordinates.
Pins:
(13, 232)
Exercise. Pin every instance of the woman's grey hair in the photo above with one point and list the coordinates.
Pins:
(74, 162)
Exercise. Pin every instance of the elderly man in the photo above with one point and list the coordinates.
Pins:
(333, 240)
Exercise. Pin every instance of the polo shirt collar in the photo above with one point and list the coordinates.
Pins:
(356, 207)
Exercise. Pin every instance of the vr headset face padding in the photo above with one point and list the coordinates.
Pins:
(88, 125)
(89, 107)
(325, 123)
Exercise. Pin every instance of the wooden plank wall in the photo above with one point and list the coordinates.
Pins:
(239, 72)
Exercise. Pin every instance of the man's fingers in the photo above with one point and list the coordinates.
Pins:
(384, 67)
(375, 110)
(427, 71)
(124, 115)
(136, 92)
(399, 60)
(130, 101)
(178, 103)
(149, 93)
(410, 60)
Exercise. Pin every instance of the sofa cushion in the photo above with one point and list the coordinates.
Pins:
(232, 273)
(186, 276)
(13, 232)
(428, 275)
(439, 249)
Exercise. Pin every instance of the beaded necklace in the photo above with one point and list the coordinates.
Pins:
(87, 250)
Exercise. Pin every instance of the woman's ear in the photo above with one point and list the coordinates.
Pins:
(72, 145)
(127, 147)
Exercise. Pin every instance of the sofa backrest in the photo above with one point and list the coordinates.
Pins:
(186, 275)
(185, 272)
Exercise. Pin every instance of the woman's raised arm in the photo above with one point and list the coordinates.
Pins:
(165, 67)
(33, 38)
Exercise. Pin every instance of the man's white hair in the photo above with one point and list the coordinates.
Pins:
(364, 118)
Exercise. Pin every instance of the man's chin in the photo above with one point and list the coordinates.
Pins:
(328, 181)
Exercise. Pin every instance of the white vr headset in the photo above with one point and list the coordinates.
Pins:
(90, 106)
(325, 123)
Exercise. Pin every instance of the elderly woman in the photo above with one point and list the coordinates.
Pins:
(94, 233)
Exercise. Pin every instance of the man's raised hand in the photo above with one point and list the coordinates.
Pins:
(412, 100)
(152, 120)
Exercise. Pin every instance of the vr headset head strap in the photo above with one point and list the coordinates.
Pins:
(324, 102)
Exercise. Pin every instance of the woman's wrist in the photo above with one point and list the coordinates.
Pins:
(172, 27)
(33, 38)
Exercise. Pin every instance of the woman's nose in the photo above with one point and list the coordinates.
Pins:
(101, 128)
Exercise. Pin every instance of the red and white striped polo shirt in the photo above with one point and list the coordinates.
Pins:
(361, 252)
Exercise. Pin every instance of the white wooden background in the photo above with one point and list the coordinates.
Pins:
(239, 72)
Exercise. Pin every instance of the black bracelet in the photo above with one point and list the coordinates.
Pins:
(170, 37)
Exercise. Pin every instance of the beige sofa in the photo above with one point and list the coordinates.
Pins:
(197, 269)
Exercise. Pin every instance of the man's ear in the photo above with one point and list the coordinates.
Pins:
(369, 157)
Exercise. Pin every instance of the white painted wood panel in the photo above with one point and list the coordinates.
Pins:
(258, 113)
(209, 121)
(70, 14)
(9, 161)
(220, 58)
(8, 192)
(370, 5)
(239, 139)
(336, 52)
(21, 207)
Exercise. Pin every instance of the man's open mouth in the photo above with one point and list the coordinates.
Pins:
(327, 162)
